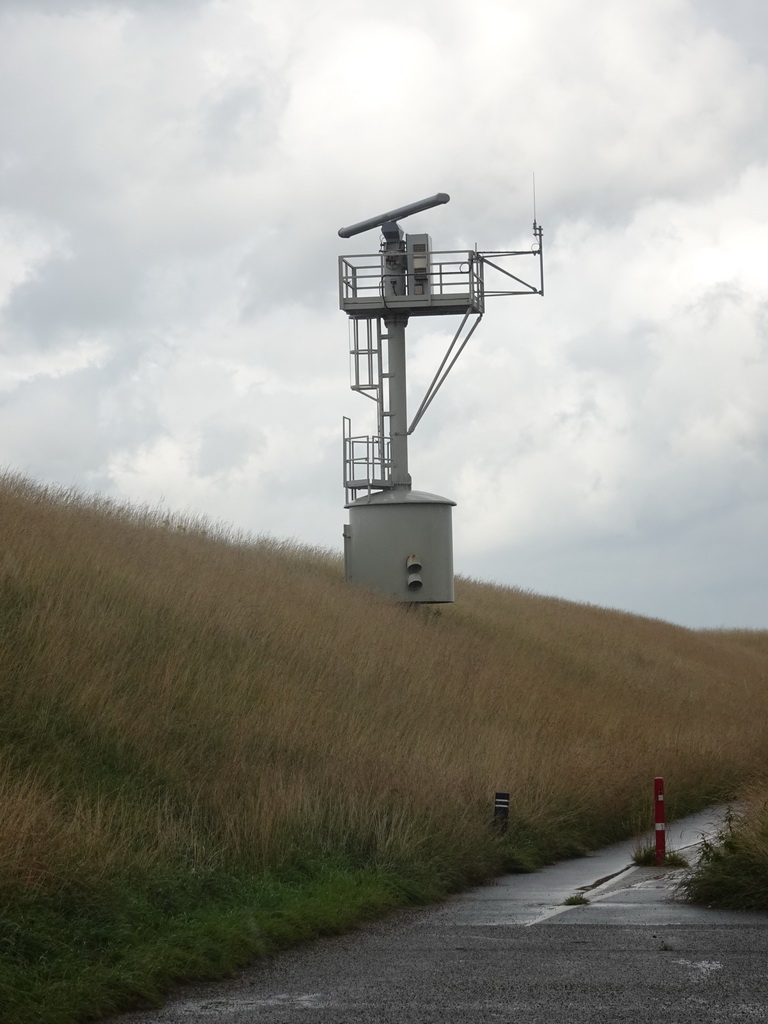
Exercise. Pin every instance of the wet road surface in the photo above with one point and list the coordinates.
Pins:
(509, 952)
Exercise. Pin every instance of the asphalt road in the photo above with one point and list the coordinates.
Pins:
(512, 952)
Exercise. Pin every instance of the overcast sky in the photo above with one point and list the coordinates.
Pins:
(172, 178)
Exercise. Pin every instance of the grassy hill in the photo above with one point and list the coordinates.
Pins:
(211, 746)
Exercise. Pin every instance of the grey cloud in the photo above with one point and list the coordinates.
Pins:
(90, 290)
(744, 22)
(55, 426)
(225, 446)
(697, 574)
(66, 8)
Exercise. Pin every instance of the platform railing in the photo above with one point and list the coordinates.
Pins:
(367, 463)
(453, 278)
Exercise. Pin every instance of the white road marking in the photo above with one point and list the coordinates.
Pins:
(703, 968)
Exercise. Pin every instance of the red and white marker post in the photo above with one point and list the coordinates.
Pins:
(661, 833)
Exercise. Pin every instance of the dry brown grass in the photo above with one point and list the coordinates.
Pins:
(171, 691)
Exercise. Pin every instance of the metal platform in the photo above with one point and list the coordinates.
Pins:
(453, 284)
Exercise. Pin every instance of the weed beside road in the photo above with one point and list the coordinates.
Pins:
(733, 868)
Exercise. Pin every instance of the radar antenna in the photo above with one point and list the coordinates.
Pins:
(392, 215)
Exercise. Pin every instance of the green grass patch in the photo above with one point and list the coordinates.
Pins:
(84, 952)
(577, 900)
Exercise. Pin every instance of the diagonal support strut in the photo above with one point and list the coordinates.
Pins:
(443, 370)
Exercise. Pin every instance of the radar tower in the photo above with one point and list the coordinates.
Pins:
(399, 541)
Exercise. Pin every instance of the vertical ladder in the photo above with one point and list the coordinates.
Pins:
(367, 463)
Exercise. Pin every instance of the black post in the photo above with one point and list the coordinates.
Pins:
(501, 812)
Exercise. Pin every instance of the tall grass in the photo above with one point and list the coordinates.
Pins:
(183, 702)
